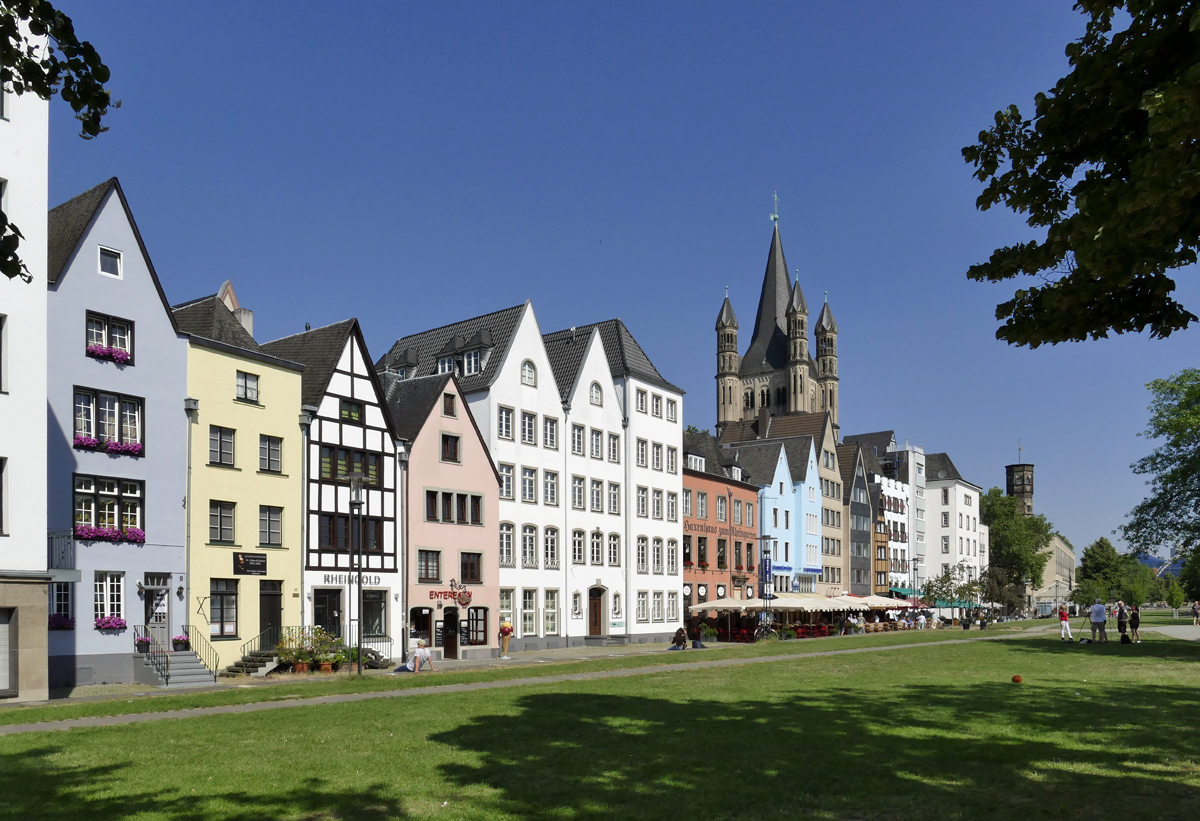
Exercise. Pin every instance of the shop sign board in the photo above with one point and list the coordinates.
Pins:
(249, 564)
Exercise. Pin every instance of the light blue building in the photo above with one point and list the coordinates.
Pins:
(806, 524)
(117, 452)
(766, 465)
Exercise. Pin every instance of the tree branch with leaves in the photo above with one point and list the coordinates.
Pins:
(41, 54)
(1108, 168)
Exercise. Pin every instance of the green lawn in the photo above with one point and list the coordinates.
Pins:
(1094, 732)
(293, 687)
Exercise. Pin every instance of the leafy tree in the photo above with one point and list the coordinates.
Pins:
(694, 429)
(1107, 166)
(1087, 591)
(939, 588)
(1100, 562)
(1137, 582)
(1175, 595)
(1018, 541)
(1189, 577)
(1170, 515)
(29, 32)
(998, 585)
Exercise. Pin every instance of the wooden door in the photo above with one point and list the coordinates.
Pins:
(595, 612)
(450, 634)
(270, 611)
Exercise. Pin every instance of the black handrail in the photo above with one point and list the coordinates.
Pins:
(147, 645)
(203, 650)
(266, 640)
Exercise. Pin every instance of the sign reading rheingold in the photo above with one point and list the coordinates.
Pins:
(249, 564)
(351, 578)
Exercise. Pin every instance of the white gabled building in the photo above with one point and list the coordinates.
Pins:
(561, 417)
(24, 162)
(953, 503)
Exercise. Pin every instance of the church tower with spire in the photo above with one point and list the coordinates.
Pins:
(729, 386)
(781, 373)
(827, 372)
(797, 319)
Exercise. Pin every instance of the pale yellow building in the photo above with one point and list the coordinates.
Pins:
(245, 482)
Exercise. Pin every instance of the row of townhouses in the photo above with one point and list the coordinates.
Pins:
(191, 487)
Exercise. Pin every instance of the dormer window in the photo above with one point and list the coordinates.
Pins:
(597, 395)
(736, 472)
(446, 364)
(402, 373)
(471, 363)
(695, 462)
(528, 374)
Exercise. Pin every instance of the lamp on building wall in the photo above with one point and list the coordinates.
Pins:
(356, 502)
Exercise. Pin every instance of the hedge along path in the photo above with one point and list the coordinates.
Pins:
(343, 698)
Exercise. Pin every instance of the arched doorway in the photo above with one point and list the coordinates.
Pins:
(596, 611)
(450, 633)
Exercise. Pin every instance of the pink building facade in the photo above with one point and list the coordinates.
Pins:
(451, 547)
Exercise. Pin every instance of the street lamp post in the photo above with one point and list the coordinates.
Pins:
(356, 502)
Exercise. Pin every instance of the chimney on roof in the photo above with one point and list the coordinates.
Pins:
(243, 315)
(246, 317)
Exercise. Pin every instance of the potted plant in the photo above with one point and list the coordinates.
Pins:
(142, 644)
(708, 632)
(182, 642)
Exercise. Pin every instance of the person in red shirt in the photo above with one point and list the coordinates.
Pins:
(1064, 625)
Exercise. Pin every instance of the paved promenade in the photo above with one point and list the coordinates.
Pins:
(136, 718)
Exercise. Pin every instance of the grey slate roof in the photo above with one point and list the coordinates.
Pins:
(625, 355)
(427, 345)
(758, 460)
(208, 317)
(826, 322)
(797, 303)
(871, 464)
(846, 462)
(777, 427)
(876, 443)
(797, 448)
(565, 350)
(768, 349)
(318, 351)
(410, 401)
(727, 318)
(938, 467)
(704, 445)
(66, 224)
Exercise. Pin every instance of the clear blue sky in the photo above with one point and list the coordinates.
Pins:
(416, 164)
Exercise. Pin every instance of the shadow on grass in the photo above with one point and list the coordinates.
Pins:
(33, 785)
(1163, 648)
(988, 751)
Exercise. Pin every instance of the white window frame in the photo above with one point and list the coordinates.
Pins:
(578, 493)
(506, 481)
(504, 420)
(120, 274)
(529, 485)
(109, 589)
(550, 487)
(577, 440)
(529, 374)
(596, 395)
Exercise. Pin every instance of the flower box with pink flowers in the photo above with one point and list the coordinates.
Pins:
(91, 533)
(113, 354)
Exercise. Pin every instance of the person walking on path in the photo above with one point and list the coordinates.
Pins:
(1122, 617)
(1099, 618)
(1196, 613)
(1064, 625)
(1135, 621)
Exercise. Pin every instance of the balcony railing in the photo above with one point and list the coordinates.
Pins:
(60, 550)
(507, 561)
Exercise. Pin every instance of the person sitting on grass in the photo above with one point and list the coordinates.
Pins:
(421, 654)
(679, 640)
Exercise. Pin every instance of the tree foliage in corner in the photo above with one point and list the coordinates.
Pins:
(1109, 167)
(1017, 541)
(30, 32)
(1170, 515)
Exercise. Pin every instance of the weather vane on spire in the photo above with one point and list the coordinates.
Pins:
(727, 292)
(775, 213)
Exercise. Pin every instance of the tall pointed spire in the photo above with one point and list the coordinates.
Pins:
(768, 345)
(727, 318)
